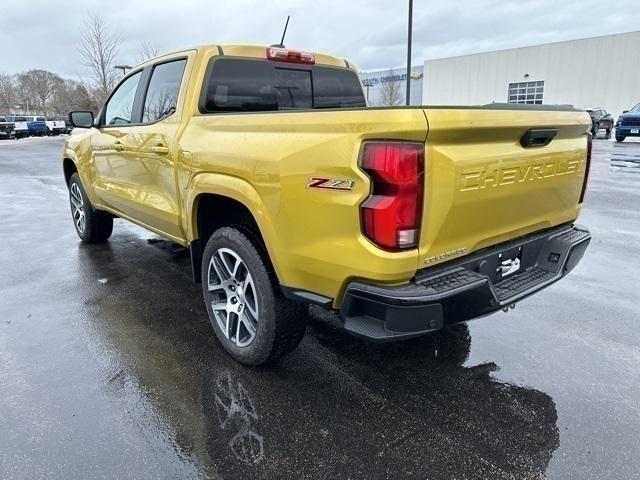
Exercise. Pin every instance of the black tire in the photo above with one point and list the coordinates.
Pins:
(97, 225)
(281, 324)
(620, 138)
(608, 135)
(596, 127)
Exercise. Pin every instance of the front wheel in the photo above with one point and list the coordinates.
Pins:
(596, 127)
(620, 138)
(250, 316)
(91, 225)
(608, 135)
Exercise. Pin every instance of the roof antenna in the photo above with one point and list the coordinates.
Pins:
(281, 44)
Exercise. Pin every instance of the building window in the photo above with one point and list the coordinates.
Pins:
(526, 92)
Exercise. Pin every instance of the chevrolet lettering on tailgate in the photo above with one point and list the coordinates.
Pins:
(483, 178)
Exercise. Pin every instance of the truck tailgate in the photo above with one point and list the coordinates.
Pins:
(482, 187)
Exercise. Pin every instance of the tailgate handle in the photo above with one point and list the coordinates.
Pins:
(538, 138)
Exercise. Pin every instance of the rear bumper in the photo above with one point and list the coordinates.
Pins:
(625, 131)
(463, 289)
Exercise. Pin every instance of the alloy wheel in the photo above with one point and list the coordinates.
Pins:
(233, 297)
(77, 207)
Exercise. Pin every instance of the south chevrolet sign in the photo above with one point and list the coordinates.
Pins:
(390, 78)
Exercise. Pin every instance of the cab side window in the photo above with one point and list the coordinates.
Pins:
(119, 109)
(162, 95)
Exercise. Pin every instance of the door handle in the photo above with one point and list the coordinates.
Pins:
(119, 146)
(161, 149)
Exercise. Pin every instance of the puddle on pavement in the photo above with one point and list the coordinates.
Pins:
(336, 405)
(625, 158)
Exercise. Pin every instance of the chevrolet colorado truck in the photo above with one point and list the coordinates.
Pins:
(20, 128)
(628, 124)
(267, 163)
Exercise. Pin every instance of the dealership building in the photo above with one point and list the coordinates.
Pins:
(591, 72)
(393, 80)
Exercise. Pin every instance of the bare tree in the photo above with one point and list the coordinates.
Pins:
(40, 86)
(98, 49)
(391, 94)
(72, 95)
(147, 51)
(8, 92)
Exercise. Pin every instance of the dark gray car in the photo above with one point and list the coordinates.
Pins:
(6, 128)
(601, 119)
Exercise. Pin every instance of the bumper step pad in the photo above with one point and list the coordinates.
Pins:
(521, 282)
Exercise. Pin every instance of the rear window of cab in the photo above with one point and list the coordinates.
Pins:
(252, 85)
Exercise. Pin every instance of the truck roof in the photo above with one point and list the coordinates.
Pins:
(256, 51)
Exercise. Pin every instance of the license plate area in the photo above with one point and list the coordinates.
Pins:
(509, 263)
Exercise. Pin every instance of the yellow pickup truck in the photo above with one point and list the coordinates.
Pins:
(267, 163)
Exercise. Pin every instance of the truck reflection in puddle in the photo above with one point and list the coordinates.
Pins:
(237, 415)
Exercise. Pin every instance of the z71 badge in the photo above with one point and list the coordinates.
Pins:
(331, 183)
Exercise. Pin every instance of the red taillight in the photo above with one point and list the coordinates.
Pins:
(587, 167)
(294, 56)
(392, 213)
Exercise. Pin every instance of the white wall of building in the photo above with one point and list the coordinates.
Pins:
(599, 72)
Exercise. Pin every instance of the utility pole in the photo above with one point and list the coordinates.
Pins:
(409, 52)
(124, 68)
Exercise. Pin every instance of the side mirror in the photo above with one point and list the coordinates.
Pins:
(81, 119)
(625, 111)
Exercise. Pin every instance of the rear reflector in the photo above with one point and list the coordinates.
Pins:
(392, 214)
(587, 167)
(293, 56)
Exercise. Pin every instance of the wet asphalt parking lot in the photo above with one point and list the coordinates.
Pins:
(109, 368)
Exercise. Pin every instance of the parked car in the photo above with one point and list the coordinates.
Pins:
(6, 129)
(37, 125)
(20, 127)
(628, 124)
(56, 124)
(601, 120)
(289, 190)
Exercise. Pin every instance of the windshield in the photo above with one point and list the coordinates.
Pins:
(636, 109)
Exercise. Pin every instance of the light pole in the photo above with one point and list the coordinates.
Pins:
(409, 52)
(124, 68)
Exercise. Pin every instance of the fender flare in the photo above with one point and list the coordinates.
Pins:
(241, 191)
(69, 154)
(82, 167)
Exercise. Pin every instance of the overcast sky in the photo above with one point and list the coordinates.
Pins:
(370, 33)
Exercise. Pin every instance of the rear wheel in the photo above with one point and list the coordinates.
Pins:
(251, 318)
(91, 225)
(620, 138)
